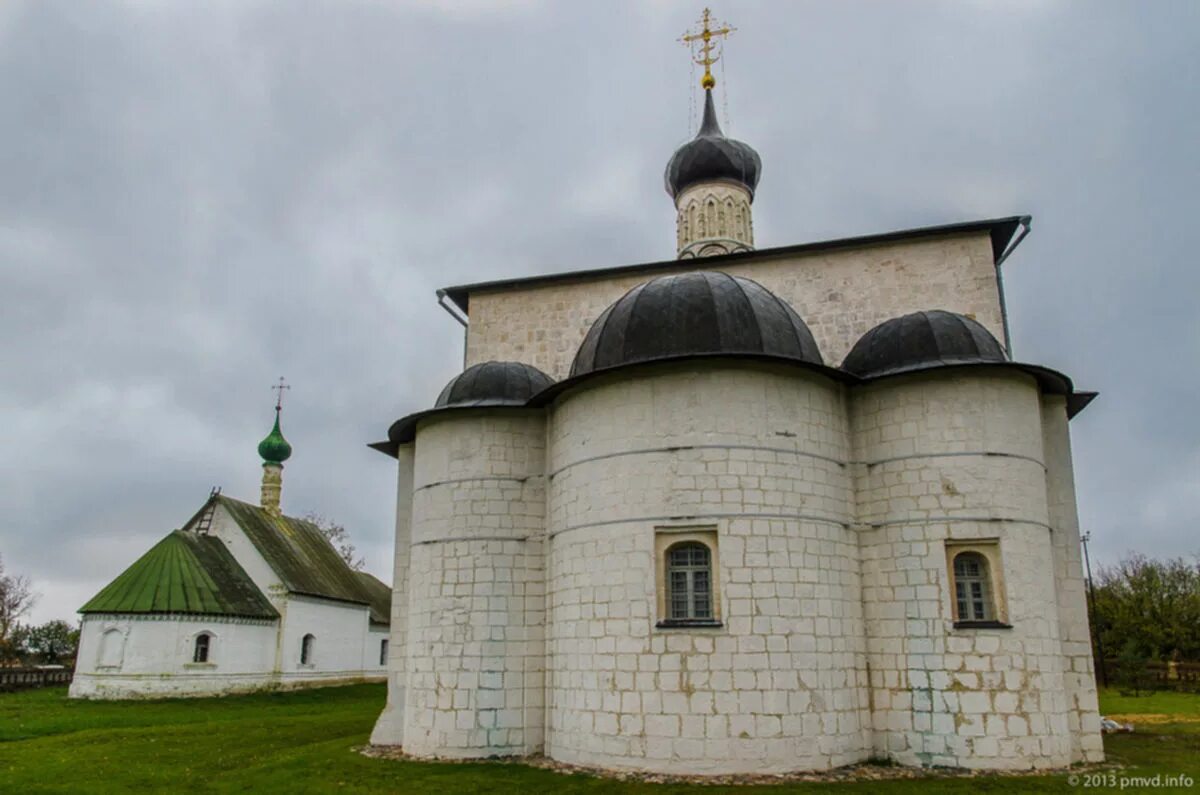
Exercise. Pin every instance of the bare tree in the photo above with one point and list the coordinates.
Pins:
(340, 539)
(16, 599)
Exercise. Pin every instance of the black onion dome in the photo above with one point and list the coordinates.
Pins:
(703, 313)
(711, 156)
(493, 384)
(920, 341)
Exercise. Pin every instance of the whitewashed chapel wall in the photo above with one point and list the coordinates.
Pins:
(958, 456)
(752, 453)
(840, 294)
(226, 528)
(343, 638)
(340, 633)
(154, 659)
(476, 655)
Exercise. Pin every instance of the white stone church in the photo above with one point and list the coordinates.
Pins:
(746, 510)
(241, 598)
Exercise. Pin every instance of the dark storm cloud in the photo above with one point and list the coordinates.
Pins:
(199, 197)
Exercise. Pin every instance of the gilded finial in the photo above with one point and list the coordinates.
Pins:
(708, 51)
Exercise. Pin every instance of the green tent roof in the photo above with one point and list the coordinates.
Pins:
(305, 560)
(184, 573)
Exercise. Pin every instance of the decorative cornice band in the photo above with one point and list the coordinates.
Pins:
(699, 517)
(480, 479)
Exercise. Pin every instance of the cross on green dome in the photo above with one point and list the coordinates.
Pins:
(275, 449)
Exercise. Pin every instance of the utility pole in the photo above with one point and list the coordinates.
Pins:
(1099, 646)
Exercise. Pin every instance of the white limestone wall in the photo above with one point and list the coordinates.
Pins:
(124, 656)
(389, 729)
(756, 453)
(1079, 677)
(840, 293)
(958, 455)
(476, 614)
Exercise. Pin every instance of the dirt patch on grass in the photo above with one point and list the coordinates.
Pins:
(1153, 718)
(868, 771)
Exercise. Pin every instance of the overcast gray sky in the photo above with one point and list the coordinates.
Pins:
(199, 197)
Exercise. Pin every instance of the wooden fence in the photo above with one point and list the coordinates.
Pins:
(27, 678)
(1183, 676)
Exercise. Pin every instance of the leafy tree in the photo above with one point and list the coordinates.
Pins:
(16, 599)
(340, 539)
(1149, 609)
(52, 643)
(1131, 674)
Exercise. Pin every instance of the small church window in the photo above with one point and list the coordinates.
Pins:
(972, 589)
(306, 650)
(689, 581)
(383, 652)
(201, 648)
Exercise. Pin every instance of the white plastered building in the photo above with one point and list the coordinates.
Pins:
(744, 511)
(241, 598)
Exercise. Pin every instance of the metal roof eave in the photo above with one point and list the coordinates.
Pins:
(403, 430)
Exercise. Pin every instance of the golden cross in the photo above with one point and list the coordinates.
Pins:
(706, 35)
(279, 388)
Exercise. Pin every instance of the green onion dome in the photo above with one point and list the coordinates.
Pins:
(275, 449)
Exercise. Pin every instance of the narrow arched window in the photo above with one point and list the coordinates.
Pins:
(201, 648)
(383, 652)
(972, 587)
(306, 650)
(689, 581)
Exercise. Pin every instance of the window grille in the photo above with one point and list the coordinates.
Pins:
(689, 581)
(972, 587)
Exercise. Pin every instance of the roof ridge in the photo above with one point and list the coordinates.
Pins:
(259, 508)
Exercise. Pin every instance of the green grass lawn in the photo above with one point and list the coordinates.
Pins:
(301, 741)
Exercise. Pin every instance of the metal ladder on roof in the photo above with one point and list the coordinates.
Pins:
(205, 521)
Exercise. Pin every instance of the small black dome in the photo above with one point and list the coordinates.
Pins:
(711, 156)
(493, 384)
(922, 340)
(698, 313)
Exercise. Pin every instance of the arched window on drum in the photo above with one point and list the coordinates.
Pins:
(976, 579)
(689, 581)
(688, 578)
(972, 588)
